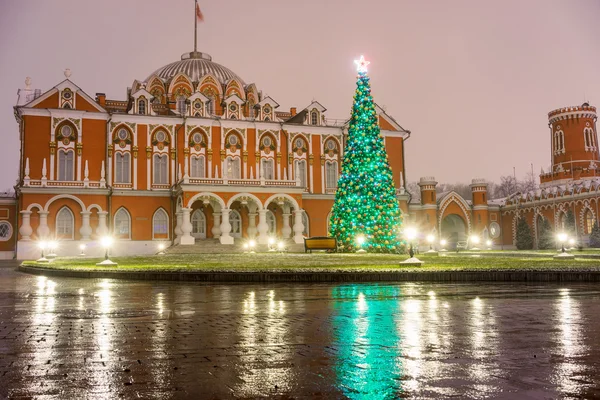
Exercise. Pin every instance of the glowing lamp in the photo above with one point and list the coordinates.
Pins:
(430, 239)
(410, 233)
(475, 239)
(443, 242)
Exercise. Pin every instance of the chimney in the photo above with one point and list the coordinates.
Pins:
(293, 111)
(101, 99)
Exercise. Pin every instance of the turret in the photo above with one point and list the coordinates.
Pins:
(480, 206)
(428, 194)
(574, 140)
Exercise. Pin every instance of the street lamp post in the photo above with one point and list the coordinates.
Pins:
(474, 241)
(430, 240)
(411, 234)
(42, 245)
(107, 242)
(562, 238)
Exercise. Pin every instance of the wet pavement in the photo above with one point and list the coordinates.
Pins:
(69, 338)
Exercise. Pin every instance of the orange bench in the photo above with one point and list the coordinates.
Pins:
(320, 243)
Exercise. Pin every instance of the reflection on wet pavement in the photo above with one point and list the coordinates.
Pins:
(74, 338)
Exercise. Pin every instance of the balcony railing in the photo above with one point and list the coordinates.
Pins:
(239, 182)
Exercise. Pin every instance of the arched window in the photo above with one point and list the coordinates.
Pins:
(232, 168)
(161, 169)
(181, 108)
(122, 225)
(122, 161)
(266, 166)
(271, 223)
(141, 107)
(65, 224)
(300, 167)
(65, 165)
(314, 118)
(588, 222)
(331, 174)
(197, 170)
(210, 105)
(305, 223)
(235, 220)
(198, 224)
(251, 109)
(160, 225)
(562, 221)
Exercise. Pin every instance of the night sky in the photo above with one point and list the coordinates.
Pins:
(472, 80)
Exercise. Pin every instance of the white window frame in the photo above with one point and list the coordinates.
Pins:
(331, 174)
(160, 211)
(267, 168)
(314, 117)
(64, 163)
(198, 219)
(122, 211)
(197, 167)
(235, 171)
(142, 107)
(232, 221)
(301, 173)
(60, 224)
(163, 175)
(122, 167)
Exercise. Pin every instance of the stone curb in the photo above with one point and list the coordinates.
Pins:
(337, 276)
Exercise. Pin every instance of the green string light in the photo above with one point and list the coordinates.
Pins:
(365, 200)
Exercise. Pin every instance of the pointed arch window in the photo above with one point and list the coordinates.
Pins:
(65, 224)
(235, 220)
(161, 169)
(198, 224)
(210, 106)
(122, 161)
(300, 167)
(588, 222)
(142, 107)
(271, 223)
(122, 225)
(66, 165)
(160, 225)
(266, 166)
(331, 174)
(197, 167)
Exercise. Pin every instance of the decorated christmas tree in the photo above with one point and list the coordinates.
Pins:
(366, 208)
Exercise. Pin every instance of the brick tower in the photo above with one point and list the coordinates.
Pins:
(480, 206)
(428, 203)
(574, 144)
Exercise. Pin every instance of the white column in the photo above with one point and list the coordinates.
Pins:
(216, 229)
(298, 227)
(102, 229)
(26, 230)
(178, 231)
(225, 227)
(286, 230)
(252, 225)
(86, 230)
(102, 176)
(323, 178)
(43, 230)
(263, 227)
(44, 178)
(78, 165)
(148, 174)
(186, 227)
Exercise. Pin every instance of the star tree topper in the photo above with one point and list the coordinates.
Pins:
(361, 65)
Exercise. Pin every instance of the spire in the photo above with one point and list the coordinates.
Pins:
(196, 25)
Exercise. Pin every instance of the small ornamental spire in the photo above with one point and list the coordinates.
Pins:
(361, 64)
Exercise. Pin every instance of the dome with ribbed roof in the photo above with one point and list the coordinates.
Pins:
(196, 65)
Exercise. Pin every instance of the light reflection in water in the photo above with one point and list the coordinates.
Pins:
(368, 365)
(570, 342)
(483, 341)
(264, 332)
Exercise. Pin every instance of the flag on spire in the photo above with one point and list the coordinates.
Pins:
(199, 15)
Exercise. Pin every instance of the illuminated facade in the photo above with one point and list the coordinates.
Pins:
(194, 153)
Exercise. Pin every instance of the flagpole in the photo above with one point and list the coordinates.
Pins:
(195, 26)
